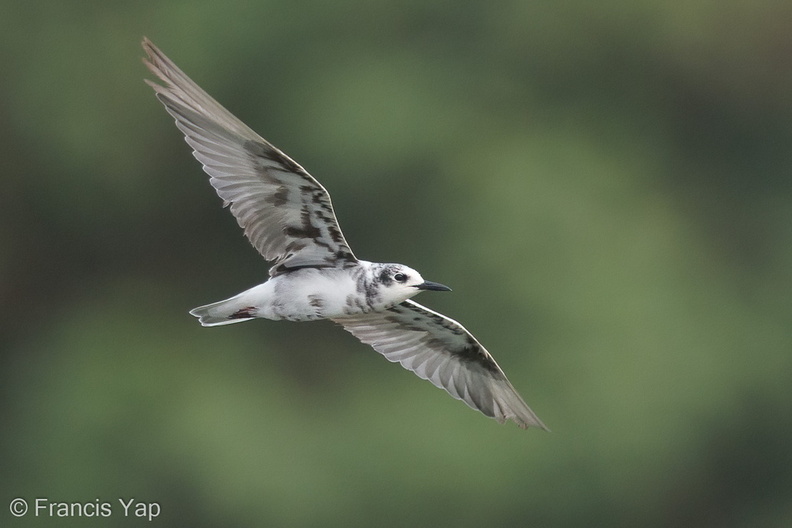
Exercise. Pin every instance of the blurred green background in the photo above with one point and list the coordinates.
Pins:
(605, 185)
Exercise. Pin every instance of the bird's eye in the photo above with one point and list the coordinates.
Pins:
(400, 277)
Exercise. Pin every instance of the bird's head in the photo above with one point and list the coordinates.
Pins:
(399, 282)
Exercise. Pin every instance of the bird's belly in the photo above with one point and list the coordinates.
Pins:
(309, 308)
(310, 297)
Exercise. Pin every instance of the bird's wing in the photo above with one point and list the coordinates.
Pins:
(440, 350)
(286, 214)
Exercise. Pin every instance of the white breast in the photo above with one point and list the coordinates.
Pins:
(309, 294)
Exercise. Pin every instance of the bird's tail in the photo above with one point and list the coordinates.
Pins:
(229, 311)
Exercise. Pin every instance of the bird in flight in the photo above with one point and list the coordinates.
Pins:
(288, 217)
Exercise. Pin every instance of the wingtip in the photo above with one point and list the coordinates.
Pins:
(150, 48)
(533, 422)
(543, 427)
(150, 59)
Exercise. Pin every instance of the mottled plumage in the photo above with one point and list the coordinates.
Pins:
(288, 217)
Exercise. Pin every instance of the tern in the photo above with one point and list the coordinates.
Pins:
(287, 216)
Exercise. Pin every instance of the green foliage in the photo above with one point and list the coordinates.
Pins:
(606, 186)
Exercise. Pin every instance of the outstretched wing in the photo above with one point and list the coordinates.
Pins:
(286, 214)
(440, 350)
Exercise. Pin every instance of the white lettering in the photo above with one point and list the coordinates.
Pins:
(126, 505)
(46, 508)
(141, 509)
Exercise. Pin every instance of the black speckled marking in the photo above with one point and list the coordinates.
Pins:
(244, 313)
(385, 277)
(470, 351)
(266, 151)
(354, 305)
(305, 231)
(280, 197)
(316, 301)
(292, 188)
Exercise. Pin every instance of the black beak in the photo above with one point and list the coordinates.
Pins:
(429, 285)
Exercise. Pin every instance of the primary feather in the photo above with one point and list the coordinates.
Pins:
(286, 214)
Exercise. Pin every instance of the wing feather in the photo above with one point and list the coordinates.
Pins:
(440, 350)
(286, 214)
